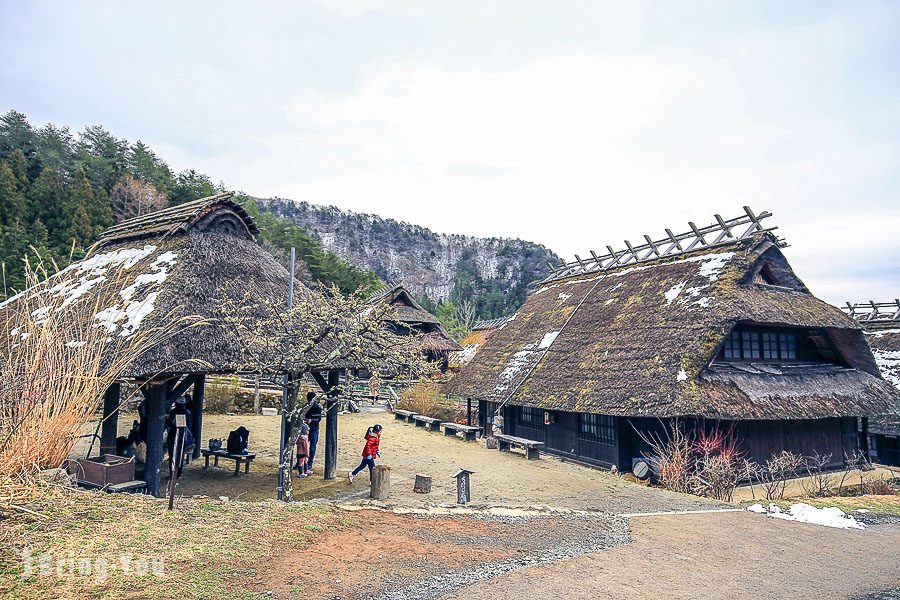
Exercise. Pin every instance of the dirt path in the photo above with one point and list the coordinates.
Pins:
(500, 478)
(724, 555)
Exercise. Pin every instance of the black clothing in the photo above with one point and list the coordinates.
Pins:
(314, 415)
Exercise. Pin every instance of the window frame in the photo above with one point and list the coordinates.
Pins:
(597, 429)
(761, 344)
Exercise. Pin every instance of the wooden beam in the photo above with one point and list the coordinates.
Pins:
(156, 416)
(331, 428)
(197, 422)
(109, 429)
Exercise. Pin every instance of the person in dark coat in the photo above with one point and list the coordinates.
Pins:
(179, 408)
(313, 418)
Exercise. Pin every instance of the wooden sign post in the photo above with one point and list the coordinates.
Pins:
(463, 490)
(178, 452)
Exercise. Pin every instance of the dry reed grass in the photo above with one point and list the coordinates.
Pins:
(56, 362)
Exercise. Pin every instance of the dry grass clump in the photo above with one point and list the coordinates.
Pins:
(56, 363)
(425, 398)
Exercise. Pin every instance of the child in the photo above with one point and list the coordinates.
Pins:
(303, 451)
(369, 453)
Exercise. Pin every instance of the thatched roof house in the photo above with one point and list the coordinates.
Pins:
(409, 317)
(881, 323)
(711, 324)
(188, 261)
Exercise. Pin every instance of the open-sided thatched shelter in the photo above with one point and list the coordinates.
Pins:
(881, 323)
(186, 261)
(410, 317)
(707, 326)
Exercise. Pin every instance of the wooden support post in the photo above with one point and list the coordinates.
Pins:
(381, 483)
(469, 412)
(197, 424)
(864, 439)
(331, 429)
(423, 484)
(155, 425)
(110, 426)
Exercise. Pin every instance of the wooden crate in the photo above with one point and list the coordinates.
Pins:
(106, 469)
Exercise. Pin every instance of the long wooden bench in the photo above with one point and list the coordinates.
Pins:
(532, 447)
(404, 415)
(237, 458)
(470, 432)
(429, 423)
(135, 486)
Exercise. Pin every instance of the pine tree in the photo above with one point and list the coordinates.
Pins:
(55, 147)
(48, 203)
(102, 156)
(82, 210)
(145, 165)
(191, 185)
(12, 203)
(19, 166)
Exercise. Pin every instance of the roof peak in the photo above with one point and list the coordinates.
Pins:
(198, 213)
(716, 235)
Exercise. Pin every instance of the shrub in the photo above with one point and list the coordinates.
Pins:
(425, 398)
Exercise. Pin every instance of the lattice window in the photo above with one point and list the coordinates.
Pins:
(597, 428)
(531, 417)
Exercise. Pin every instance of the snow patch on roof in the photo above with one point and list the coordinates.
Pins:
(882, 332)
(682, 375)
(888, 362)
(548, 340)
(563, 296)
(673, 292)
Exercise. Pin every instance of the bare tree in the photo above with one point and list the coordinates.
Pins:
(325, 330)
(132, 197)
(819, 481)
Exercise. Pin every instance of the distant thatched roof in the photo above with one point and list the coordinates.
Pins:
(410, 314)
(473, 342)
(639, 339)
(881, 322)
(186, 261)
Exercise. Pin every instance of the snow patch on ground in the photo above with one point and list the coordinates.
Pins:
(828, 516)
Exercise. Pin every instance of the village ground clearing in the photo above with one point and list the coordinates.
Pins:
(351, 548)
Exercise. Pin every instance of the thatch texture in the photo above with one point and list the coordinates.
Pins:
(637, 341)
(885, 345)
(157, 267)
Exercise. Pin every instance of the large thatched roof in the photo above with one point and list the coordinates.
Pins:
(183, 262)
(881, 322)
(639, 340)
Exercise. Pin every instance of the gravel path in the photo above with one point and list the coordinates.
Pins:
(721, 555)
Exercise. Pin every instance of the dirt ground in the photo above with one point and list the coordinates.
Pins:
(506, 479)
(723, 555)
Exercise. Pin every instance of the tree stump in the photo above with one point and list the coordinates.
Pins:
(423, 484)
(381, 483)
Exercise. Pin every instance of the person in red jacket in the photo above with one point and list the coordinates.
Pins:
(370, 452)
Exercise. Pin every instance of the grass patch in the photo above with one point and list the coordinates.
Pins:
(207, 548)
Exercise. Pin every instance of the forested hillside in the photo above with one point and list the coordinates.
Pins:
(489, 276)
(58, 191)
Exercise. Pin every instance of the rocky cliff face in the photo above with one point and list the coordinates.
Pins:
(490, 272)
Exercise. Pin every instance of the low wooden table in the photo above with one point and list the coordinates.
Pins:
(532, 447)
(404, 415)
(429, 423)
(237, 458)
(470, 432)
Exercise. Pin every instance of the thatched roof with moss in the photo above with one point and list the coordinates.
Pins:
(184, 263)
(639, 340)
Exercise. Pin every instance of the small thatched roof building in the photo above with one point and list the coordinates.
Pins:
(188, 261)
(881, 323)
(409, 317)
(711, 324)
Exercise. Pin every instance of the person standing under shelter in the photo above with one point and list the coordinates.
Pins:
(313, 418)
(374, 387)
(179, 408)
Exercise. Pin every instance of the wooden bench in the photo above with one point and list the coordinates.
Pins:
(404, 415)
(470, 432)
(429, 423)
(532, 447)
(237, 458)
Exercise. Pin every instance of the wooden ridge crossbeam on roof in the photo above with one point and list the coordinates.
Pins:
(874, 314)
(722, 232)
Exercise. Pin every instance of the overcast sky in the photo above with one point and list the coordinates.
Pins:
(572, 124)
